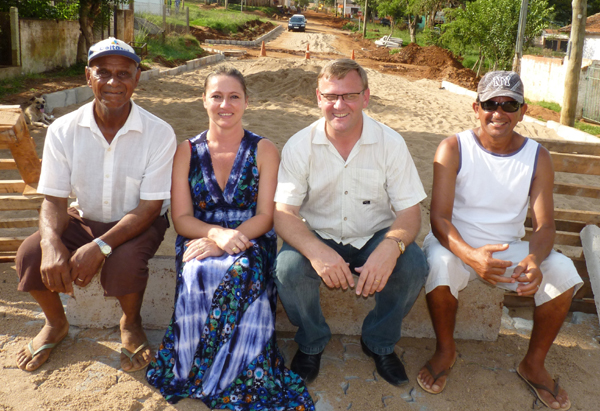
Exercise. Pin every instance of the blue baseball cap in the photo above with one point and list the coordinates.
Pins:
(112, 47)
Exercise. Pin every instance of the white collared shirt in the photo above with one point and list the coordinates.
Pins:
(108, 180)
(348, 201)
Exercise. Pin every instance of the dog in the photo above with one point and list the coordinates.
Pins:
(34, 112)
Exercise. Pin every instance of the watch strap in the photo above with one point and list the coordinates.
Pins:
(104, 248)
(401, 245)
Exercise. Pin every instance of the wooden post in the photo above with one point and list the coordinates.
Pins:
(574, 56)
(516, 67)
(15, 42)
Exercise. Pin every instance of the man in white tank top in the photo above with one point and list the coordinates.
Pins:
(484, 179)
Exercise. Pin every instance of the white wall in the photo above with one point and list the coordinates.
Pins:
(591, 47)
(150, 6)
(544, 79)
(47, 44)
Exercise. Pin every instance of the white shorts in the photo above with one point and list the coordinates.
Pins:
(559, 273)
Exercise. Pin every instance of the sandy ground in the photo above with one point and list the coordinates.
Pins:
(83, 372)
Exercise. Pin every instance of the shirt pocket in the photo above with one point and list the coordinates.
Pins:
(132, 194)
(366, 185)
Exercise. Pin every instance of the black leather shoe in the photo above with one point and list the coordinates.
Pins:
(388, 366)
(306, 365)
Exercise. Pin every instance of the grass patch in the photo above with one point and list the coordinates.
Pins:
(175, 47)
(228, 20)
(588, 128)
(16, 84)
(550, 106)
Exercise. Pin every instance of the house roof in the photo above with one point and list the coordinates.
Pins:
(592, 25)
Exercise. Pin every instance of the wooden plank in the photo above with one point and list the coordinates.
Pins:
(562, 225)
(7, 164)
(579, 190)
(23, 151)
(588, 217)
(572, 147)
(12, 186)
(10, 243)
(4, 146)
(513, 300)
(561, 238)
(9, 203)
(8, 257)
(21, 222)
(576, 163)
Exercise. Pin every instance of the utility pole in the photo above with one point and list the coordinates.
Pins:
(365, 20)
(574, 56)
(516, 67)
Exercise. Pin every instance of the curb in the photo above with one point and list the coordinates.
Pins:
(256, 42)
(81, 94)
(566, 132)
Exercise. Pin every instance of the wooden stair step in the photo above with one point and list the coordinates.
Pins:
(23, 222)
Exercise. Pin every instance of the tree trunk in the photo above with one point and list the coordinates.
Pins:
(412, 28)
(86, 37)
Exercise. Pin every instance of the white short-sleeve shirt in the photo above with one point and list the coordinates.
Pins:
(348, 201)
(108, 180)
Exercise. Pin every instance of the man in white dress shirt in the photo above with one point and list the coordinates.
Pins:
(347, 201)
(116, 159)
(483, 181)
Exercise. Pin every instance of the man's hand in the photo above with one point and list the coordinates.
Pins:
(55, 268)
(228, 240)
(200, 249)
(487, 267)
(85, 263)
(530, 276)
(378, 268)
(332, 268)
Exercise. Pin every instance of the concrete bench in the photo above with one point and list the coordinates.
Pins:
(480, 306)
(479, 312)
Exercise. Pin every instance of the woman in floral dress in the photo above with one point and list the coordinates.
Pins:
(220, 346)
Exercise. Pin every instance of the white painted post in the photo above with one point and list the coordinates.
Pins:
(590, 240)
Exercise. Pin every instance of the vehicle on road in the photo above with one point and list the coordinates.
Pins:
(384, 22)
(297, 22)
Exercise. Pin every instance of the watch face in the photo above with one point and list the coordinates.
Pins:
(105, 249)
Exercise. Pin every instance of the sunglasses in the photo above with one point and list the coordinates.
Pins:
(507, 106)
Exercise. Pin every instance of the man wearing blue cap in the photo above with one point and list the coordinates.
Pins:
(116, 159)
(483, 181)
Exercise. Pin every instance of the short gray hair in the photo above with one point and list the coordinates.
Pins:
(340, 68)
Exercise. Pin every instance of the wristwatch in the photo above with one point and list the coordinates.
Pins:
(104, 248)
(401, 245)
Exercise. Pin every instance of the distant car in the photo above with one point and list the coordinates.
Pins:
(385, 22)
(297, 22)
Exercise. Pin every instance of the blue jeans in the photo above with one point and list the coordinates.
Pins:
(298, 288)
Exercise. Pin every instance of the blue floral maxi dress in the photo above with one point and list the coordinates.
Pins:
(220, 346)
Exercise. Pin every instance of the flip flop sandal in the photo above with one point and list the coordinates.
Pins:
(39, 350)
(436, 377)
(130, 355)
(534, 387)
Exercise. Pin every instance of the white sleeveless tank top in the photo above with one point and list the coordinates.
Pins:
(492, 191)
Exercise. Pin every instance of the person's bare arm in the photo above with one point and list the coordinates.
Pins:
(528, 271)
(328, 264)
(445, 169)
(87, 259)
(55, 268)
(376, 271)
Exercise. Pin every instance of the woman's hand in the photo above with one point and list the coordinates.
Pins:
(201, 248)
(228, 240)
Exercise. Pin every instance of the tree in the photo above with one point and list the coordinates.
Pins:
(495, 38)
